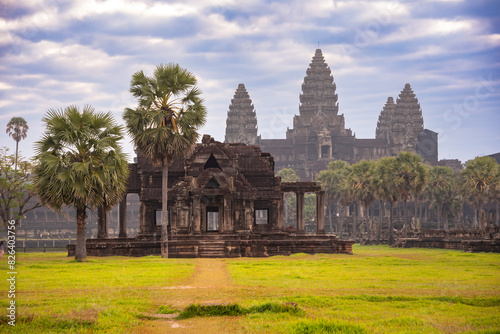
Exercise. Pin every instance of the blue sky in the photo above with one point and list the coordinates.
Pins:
(57, 53)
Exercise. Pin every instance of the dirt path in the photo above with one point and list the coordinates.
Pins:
(210, 273)
(209, 284)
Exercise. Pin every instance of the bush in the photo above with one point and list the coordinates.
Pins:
(325, 326)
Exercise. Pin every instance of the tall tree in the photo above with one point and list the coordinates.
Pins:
(17, 128)
(80, 164)
(496, 195)
(441, 189)
(479, 181)
(384, 181)
(361, 187)
(17, 194)
(411, 178)
(333, 180)
(287, 175)
(165, 123)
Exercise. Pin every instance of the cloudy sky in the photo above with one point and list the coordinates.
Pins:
(56, 53)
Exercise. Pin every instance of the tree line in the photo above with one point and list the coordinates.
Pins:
(404, 178)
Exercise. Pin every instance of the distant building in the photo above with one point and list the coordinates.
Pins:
(495, 156)
(427, 145)
(455, 164)
(319, 135)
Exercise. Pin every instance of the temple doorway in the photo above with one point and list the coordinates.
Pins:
(212, 218)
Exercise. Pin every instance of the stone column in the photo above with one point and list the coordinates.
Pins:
(122, 208)
(143, 228)
(249, 215)
(222, 217)
(280, 220)
(196, 214)
(300, 212)
(320, 212)
(228, 221)
(102, 223)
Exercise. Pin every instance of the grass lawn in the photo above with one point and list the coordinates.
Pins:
(376, 290)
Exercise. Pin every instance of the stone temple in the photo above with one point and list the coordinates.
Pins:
(319, 134)
(224, 200)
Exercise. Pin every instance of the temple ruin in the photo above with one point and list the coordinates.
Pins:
(224, 200)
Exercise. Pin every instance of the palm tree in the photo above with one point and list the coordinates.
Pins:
(17, 128)
(80, 164)
(384, 181)
(333, 180)
(440, 189)
(361, 187)
(166, 121)
(479, 180)
(287, 175)
(411, 178)
(496, 195)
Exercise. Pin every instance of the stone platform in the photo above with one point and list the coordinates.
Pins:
(226, 245)
(470, 246)
(468, 240)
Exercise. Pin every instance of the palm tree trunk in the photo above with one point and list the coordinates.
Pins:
(15, 164)
(427, 208)
(476, 220)
(164, 210)
(81, 246)
(497, 207)
(405, 222)
(439, 215)
(341, 222)
(416, 210)
(330, 220)
(479, 215)
(380, 219)
(391, 228)
(354, 221)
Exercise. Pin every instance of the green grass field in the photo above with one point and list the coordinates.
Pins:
(376, 290)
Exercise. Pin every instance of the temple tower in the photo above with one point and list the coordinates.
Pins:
(241, 123)
(318, 89)
(318, 134)
(384, 124)
(407, 121)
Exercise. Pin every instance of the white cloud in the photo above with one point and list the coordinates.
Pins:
(86, 51)
(432, 28)
(88, 8)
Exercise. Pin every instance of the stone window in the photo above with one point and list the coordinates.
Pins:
(325, 151)
(212, 218)
(262, 216)
(158, 218)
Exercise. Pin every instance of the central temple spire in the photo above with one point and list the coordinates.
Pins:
(318, 89)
